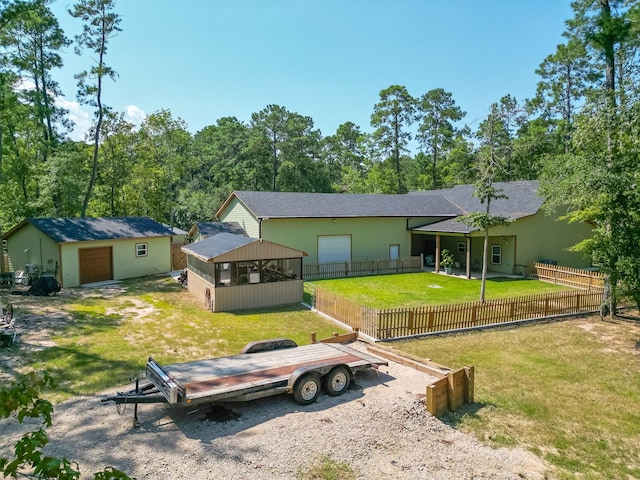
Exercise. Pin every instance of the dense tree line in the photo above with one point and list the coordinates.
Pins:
(577, 135)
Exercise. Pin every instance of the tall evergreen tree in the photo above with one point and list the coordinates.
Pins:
(100, 25)
(391, 117)
(437, 114)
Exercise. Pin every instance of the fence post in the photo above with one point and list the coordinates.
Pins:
(430, 321)
(469, 389)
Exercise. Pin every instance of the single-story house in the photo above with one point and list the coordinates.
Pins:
(202, 230)
(348, 227)
(231, 272)
(77, 251)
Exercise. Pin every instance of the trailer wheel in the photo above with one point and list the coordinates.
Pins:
(306, 390)
(336, 382)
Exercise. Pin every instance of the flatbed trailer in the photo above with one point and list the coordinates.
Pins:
(265, 368)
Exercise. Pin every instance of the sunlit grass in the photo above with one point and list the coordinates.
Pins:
(427, 288)
(106, 341)
(568, 391)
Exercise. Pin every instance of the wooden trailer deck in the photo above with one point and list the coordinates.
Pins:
(227, 377)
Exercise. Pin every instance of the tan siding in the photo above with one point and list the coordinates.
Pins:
(41, 250)
(259, 251)
(370, 237)
(125, 262)
(197, 286)
(540, 237)
(245, 296)
(237, 212)
(255, 296)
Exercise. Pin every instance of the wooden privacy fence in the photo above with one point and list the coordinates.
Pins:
(178, 257)
(385, 324)
(316, 271)
(573, 277)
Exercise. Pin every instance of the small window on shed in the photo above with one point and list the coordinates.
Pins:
(141, 249)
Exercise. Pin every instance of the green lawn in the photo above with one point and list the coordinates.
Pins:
(568, 391)
(426, 288)
(104, 341)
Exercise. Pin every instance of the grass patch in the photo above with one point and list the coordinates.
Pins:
(567, 391)
(105, 341)
(427, 288)
(325, 468)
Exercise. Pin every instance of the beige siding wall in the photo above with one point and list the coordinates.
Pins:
(125, 262)
(40, 250)
(259, 251)
(197, 286)
(237, 212)
(541, 237)
(225, 299)
(370, 237)
(527, 240)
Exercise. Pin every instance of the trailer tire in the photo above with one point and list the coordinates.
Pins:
(336, 382)
(306, 390)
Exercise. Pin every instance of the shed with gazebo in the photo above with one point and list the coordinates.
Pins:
(233, 272)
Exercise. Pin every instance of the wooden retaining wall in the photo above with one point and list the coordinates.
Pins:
(452, 389)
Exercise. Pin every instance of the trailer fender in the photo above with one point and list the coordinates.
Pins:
(319, 370)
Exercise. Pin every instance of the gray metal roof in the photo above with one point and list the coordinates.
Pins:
(87, 229)
(216, 245)
(213, 228)
(341, 205)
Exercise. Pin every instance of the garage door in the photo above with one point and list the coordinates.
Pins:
(96, 264)
(334, 248)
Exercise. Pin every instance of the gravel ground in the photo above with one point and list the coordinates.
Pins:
(379, 427)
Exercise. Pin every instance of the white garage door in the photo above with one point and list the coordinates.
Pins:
(334, 248)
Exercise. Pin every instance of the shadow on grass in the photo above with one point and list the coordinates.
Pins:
(292, 307)
(98, 373)
(464, 412)
(509, 279)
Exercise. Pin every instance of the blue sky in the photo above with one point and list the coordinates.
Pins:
(327, 59)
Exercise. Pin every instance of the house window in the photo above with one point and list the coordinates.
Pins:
(141, 249)
(496, 254)
(462, 247)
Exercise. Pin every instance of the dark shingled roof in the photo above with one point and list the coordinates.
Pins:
(341, 205)
(216, 245)
(522, 198)
(208, 229)
(87, 229)
(450, 225)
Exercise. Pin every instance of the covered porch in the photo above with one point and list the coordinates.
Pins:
(466, 244)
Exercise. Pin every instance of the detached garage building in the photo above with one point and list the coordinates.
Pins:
(78, 251)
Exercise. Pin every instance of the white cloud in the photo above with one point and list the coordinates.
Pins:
(80, 118)
(134, 114)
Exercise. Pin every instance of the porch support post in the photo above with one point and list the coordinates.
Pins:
(468, 257)
(437, 252)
